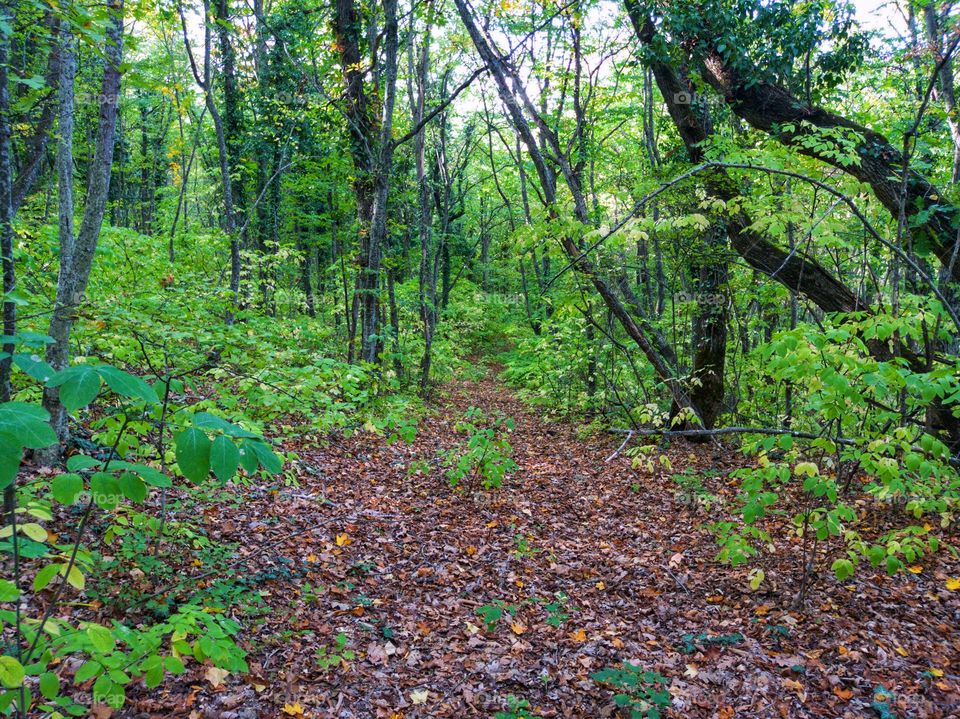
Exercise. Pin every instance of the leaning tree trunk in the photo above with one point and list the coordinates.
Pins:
(76, 255)
(793, 122)
(794, 270)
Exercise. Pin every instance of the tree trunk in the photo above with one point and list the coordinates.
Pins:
(372, 148)
(76, 255)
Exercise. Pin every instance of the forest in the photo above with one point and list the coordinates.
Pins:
(515, 359)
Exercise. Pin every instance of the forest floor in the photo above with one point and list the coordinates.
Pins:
(599, 563)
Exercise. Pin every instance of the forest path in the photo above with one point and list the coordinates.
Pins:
(597, 562)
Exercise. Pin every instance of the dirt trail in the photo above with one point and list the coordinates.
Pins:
(400, 565)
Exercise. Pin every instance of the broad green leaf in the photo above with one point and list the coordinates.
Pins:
(151, 475)
(34, 366)
(224, 458)
(27, 424)
(75, 577)
(132, 487)
(49, 685)
(8, 591)
(101, 638)
(270, 461)
(81, 461)
(79, 385)
(248, 458)
(33, 530)
(205, 420)
(11, 452)
(87, 671)
(127, 385)
(66, 488)
(11, 672)
(45, 576)
(193, 454)
(105, 490)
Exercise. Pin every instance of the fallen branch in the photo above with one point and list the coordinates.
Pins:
(732, 430)
(630, 433)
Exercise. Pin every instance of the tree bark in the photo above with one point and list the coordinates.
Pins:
(76, 254)
(372, 150)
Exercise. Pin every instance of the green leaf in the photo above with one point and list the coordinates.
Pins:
(101, 638)
(842, 568)
(11, 452)
(27, 424)
(224, 458)
(132, 487)
(45, 576)
(66, 488)
(271, 462)
(34, 366)
(75, 577)
(248, 458)
(193, 454)
(127, 385)
(81, 461)
(87, 671)
(49, 685)
(34, 531)
(105, 490)
(79, 385)
(8, 591)
(11, 672)
(205, 420)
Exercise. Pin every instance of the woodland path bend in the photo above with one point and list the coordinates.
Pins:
(401, 564)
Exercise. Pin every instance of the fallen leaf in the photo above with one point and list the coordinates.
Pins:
(953, 584)
(294, 710)
(215, 676)
(343, 540)
(579, 636)
(419, 696)
(845, 694)
(517, 628)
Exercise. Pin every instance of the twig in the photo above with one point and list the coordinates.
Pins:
(630, 433)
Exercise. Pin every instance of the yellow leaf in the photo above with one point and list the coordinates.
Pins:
(600, 585)
(34, 531)
(953, 584)
(901, 651)
(915, 569)
(343, 540)
(75, 578)
(293, 710)
(578, 636)
(216, 676)
(471, 550)
(312, 558)
(517, 628)
(420, 696)
(936, 672)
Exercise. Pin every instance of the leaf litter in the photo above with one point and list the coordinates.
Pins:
(413, 599)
